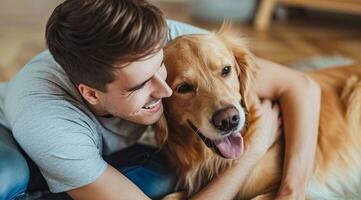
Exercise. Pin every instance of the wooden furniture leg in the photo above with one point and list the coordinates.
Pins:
(264, 14)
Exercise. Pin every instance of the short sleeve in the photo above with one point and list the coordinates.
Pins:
(62, 144)
(176, 29)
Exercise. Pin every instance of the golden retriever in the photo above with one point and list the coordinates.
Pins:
(192, 120)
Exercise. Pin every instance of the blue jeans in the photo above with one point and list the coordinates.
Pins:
(145, 166)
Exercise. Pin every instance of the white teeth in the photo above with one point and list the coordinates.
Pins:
(152, 104)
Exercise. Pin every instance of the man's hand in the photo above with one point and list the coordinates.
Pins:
(268, 129)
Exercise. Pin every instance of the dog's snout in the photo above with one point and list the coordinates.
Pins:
(226, 119)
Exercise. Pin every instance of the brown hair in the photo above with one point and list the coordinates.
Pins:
(88, 38)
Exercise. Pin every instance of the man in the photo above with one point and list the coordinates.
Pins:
(78, 110)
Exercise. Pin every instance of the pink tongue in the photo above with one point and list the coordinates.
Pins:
(230, 147)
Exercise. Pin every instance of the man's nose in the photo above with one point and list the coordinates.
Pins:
(162, 89)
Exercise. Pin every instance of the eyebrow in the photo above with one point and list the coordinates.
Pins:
(143, 83)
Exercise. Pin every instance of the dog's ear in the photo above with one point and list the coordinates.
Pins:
(245, 62)
(161, 131)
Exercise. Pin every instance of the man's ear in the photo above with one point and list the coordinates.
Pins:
(90, 94)
(161, 131)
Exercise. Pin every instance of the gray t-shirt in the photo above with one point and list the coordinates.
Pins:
(54, 126)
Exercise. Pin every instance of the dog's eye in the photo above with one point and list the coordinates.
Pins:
(226, 70)
(184, 87)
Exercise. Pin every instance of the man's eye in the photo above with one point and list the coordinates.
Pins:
(136, 89)
(184, 88)
(226, 70)
(142, 86)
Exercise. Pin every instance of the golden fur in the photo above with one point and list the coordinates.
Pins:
(195, 58)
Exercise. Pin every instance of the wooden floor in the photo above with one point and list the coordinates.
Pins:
(22, 25)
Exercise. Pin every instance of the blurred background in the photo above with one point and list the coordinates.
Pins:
(297, 33)
(304, 34)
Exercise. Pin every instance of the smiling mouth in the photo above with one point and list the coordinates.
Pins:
(152, 104)
(229, 146)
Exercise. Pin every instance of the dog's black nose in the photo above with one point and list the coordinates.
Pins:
(226, 119)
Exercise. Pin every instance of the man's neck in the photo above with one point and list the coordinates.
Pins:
(98, 110)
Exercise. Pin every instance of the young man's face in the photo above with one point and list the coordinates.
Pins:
(137, 92)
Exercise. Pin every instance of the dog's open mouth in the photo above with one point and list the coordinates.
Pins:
(230, 146)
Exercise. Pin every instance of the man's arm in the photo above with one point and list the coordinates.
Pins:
(299, 97)
(110, 185)
(227, 185)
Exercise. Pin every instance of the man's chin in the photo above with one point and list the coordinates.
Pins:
(149, 120)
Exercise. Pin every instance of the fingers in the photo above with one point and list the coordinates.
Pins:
(266, 105)
(269, 127)
(277, 111)
(278, 133)
(274, 118)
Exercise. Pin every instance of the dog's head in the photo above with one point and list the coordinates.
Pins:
(211, 77)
